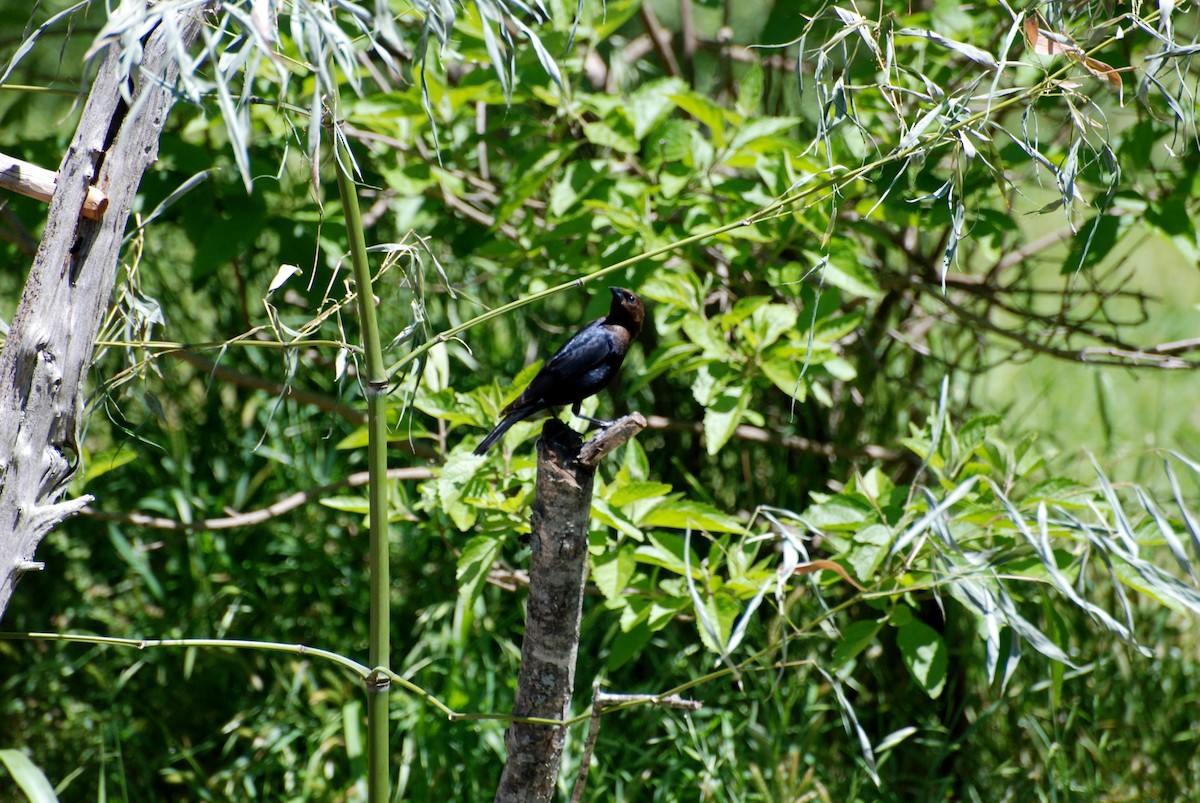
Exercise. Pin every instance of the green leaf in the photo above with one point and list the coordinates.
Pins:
(1055, 489)
(607, 514)
(666, 550)
(614, 131)
(28, 776)
(577, 181)
(103, 462)
(925, 655)
(458, 470)
(870, 548)
(683, 513)
(349, 504)
(637, 491)
(723, 611)
(844, 271)
(974, 431)
(838, 326)
(723, 415)
(650, 103)
(706, 112)
(671, 143)
(844, 511)
(529, 178)
(1171, 219)
(474, 564)
(663, 611)
(750, 89)
(768, 323)
(628, 644)
(1094, 241)
(855, 638)
(785, 375)
(839, 368)
(613, 569)
(707, 335)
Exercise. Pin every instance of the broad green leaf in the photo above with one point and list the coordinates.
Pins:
(666, 550)
(785, 375)
(763, 134)
(750, 89)
(458, 470)
(610, 515)
(614, 131)
(768, 323)
(974, 431)
(723, 611)
(577, 181)
(683, 513)
(1170, 217)
(674, 179)
(722, 416)
(671, 143)
(844, 271)
(839, 368)
(707, 335)
(103, 462)
(869, 550)
(925, 655)
(1095, 240)
(1055, 489)
(637, 491)
(529, 179)
(613, 569)
(348, 504)
(855, 639)
(474, 564)
(31, 780)
(707, 113)
(628, 644)
(663, 611)
(843, 511)
(838, 326)
(650, 103)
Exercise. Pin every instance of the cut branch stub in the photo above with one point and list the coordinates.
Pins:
(557, 571)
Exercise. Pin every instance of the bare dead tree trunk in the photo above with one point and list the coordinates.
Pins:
(557, 570)
(53, 333)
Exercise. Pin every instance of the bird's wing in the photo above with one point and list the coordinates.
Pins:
(590, 346)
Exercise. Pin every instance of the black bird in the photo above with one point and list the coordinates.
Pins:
(582, 367)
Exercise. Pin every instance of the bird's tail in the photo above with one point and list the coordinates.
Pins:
(520, 414)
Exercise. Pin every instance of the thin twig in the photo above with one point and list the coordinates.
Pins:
(793, 442)
(252, 517)
(661, 38)
(602, 700)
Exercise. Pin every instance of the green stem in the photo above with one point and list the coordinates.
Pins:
(376, 386)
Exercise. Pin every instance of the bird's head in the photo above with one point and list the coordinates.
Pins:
(627, 310)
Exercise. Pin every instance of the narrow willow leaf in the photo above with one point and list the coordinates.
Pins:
(922, 524)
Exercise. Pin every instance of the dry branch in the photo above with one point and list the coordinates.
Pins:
(53, 332)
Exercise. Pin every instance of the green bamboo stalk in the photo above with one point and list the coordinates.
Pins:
(375, 382)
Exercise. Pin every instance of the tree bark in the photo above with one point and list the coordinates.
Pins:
(53, 333)
(557, 571)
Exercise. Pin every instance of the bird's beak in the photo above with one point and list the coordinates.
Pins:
(616, 291)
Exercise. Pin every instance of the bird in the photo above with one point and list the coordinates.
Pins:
(581, 368)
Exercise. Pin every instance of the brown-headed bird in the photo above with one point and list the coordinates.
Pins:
(582, 367)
